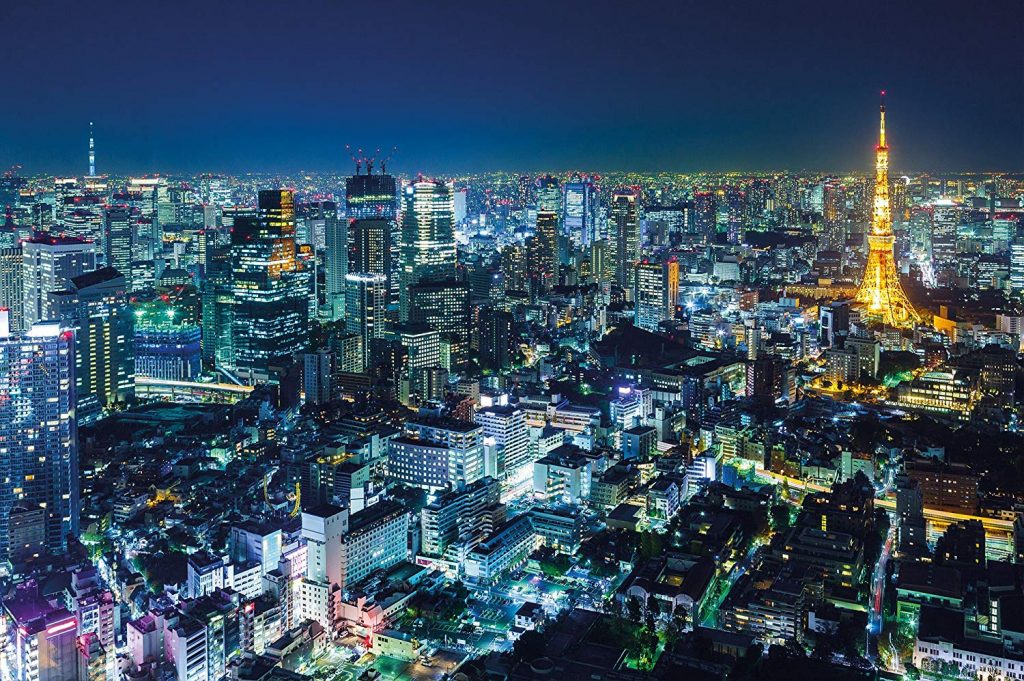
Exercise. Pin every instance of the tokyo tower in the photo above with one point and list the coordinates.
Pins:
(880, 295)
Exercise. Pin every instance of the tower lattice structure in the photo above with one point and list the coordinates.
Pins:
(880, 294)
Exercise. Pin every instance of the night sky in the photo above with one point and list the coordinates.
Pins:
(225, 86)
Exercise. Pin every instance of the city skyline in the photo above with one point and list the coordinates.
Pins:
(463, 89)
(386, 418)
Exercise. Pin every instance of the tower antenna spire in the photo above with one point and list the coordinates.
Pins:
(92, 153)
(881, 122)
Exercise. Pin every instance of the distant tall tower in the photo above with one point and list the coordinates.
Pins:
(92, 153)
(544, 244)
(625, 219)
(880, 293)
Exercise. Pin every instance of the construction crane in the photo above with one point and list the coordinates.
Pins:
(361, 159)
(357, 157)
(384, 161)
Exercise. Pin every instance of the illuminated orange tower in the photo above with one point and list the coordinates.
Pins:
(880, 295)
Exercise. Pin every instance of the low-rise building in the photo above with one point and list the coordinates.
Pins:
(506, 549)
(560, 529)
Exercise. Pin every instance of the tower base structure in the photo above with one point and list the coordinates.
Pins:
(880, 296)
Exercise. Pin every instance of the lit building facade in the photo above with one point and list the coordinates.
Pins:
(428, 238)
(271, 299)
(39, 479)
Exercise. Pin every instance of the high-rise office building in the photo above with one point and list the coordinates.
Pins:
(1017, 264)
(655, 287)
(428, 237)
(271, 296)
(50, 262)
(506, 447)
(542, 249)
(496, 338)
(625, 219)
(65, 189)
(118, 240)
(366, 297)
(316, 377)
(423, 351)
(95, 307)
(513, 265)
(12, 290)
(218, 304)
(705, 215)
(83, 218)
(579, 212)
(369, 196)
(335, 232)
(39, 480)
(736, 214)
(833, 216)
(369, 246)
(11, 186)
(444, 307)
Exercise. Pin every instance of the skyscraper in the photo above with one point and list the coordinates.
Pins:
(118, 240)
(834, 216)
(335, 255)
(95, 308)
(369, 246)
(271, 297)
(50, 262)
(423, 351)
(12, 290)
(65, 189)
(444, 307)
(653, 300)
(39, 479)
(370, 196)
(428, 237)
(880, 292)
(1017, 263)
(705, 215)
(11, 186)
(366, 297)
(167, 343)
(625, 226)
(496, 337)
(579, 216)
(543, 246)
(218, 305)
(735, 201)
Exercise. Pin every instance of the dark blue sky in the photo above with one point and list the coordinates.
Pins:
(230, 86)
